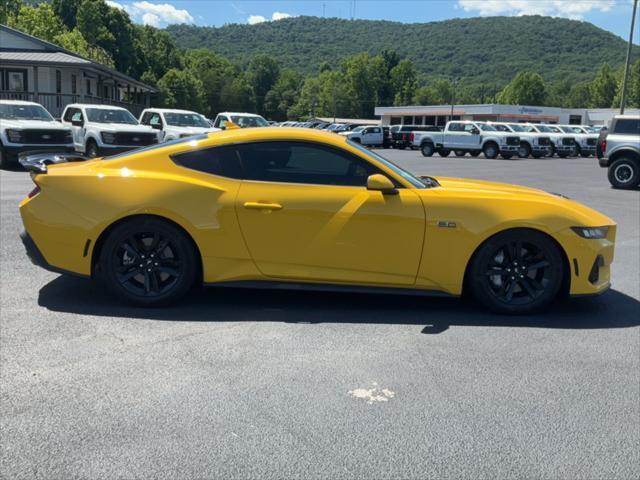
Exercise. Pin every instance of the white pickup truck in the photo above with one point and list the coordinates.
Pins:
(467, 136)
(28, 127)
(532, 143)
(562, 143)
(586, 140)
(173, 124)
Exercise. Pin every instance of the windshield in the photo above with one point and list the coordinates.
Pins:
(244, 122)
(571, 129)
(593, 129)
(546, 129)
(415, 181)
(487, 128)
(105, 115)
(518, 128)
(24, 112)
(357, 129)
(185, 120)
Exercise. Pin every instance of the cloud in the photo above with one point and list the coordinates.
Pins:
(253, 19)
(556, 8)
(154, 14)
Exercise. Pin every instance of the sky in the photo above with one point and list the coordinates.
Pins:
(612, 15)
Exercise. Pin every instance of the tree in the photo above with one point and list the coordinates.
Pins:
(179, 89)
(603, 88)
(361, 80)
(40, 21)
(633, 88)
(75, 42)
(403, 80)
(527, 88)
(262, 74)
(283, 95)
(66, 10)
(579, 96)
(440, 92)
(91, 23)
(9, 11)
(158, 53)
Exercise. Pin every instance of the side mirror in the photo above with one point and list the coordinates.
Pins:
(382, 184)
(475, 131)
(156, 126)
(77, 123)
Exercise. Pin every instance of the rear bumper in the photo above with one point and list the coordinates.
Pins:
(603, 162)
(37, 258)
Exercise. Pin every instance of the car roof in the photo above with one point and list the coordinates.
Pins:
(18, 102)
(100, 107)
(168, 110)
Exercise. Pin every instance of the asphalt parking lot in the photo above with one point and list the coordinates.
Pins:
(261, 384)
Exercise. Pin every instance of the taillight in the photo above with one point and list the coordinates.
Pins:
(411, 137)
(404, 137)
(603, 145)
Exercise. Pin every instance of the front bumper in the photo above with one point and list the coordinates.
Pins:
(540, 149)
(588, 150)
(509, 148)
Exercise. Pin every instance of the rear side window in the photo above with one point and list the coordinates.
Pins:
(221, 161)
(629, 126)
(298, 162)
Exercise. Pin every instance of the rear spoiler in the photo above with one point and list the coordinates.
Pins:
(37, 162)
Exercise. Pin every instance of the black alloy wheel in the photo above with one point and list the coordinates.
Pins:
(148, 261)
(92, 149)
(517, 271)
(444, 152)
(460, 153)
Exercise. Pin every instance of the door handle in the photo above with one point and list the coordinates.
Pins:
(262, 206)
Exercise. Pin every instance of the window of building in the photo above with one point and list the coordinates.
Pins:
(408, 120)
(88, 82)
(429, 120)
(395, 121)
(575, 119)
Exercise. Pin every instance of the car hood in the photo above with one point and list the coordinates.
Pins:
(40, 125)
(495, 192)
(123, 127)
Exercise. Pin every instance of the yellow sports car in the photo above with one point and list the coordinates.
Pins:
(273, 207)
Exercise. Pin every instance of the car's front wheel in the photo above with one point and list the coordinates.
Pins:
(624, 173)
(516, 272)
(91, 149)
(148, 261)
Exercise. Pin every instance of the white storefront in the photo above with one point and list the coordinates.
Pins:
(441, 114)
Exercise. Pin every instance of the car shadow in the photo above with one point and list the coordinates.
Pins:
(222, 304)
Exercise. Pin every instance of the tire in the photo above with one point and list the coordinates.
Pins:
(475, 153)
(491, 150)
(168, 262)
(427, 149)
(552, 150)
(4, 161)
(506, 156)
(536, 155)
(7, 162)
(460, 153)
(624, 173)
(529, 271)
(92, 150)
(576, 151)
(563, 155)
(524, 151)
(444, 152)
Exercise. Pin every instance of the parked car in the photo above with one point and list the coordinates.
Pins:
(172, 124)
(368, 136)
(585, 141)
(531, 142)
(562, 143)
(105, 130)
(243, 120)
(467, 136)
(28, 126)
(618, 150)
(401, 137)
(310, 209)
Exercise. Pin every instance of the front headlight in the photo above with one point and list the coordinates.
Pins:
(592, 233)
(15, 136)
(108, 137)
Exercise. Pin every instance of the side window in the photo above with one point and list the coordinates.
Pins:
(145, 118)
(469, 128)
(456, 127)
(155, 120)
(67, 114)
(298, 162)
(628, 126)
(77, 115)
(222, 161)
(375, 130)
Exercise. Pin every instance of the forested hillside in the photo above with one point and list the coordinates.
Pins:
(485, 50)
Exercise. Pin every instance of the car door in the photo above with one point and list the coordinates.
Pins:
(454, 136)
(471, 137)
(76, 121)
(155, 122)
(306, 215)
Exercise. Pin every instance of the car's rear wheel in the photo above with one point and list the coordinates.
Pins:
(517, 271)
(506, 156)
(475, 153)
(460, 153)
(524, 150)
(427, 149)
(624, 173)
(148, 262)
(444, 153)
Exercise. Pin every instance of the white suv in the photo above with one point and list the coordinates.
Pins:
(243, 120)
(28, 127)
(105, 130)
(174, 124)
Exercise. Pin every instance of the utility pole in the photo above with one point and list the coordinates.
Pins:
(324, 6)
(626, 65)
(453, 96)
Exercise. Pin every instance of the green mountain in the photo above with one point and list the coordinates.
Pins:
(483, 50)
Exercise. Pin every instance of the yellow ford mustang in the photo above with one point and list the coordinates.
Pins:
(271, 207)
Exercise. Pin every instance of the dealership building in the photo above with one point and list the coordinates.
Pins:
(441, 114)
